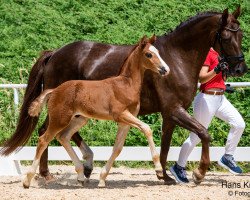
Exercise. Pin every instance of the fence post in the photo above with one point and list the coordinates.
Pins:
(9, 166)
(16, 97)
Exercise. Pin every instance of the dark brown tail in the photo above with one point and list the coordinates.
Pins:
(26, 123)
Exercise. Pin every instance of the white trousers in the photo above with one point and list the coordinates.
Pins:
(205, 107)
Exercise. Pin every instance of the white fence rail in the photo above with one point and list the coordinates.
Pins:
(11, 165)
(103, 153)
(15, 88)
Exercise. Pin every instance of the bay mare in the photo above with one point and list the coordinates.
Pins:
(184, 49)
(71, 104)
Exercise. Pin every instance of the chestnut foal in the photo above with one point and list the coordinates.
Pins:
(71, 104)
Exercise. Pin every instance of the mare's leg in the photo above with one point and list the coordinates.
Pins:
(119, 142)
(86, 152)
(41, 146)
(182, 118)
(64, 138)
(128, 118)
(167, 131)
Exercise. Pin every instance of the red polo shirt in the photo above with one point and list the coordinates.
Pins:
(217, 81)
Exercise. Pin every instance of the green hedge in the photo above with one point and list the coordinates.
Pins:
(29, 26)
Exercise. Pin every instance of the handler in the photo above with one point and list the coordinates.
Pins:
(208, 103)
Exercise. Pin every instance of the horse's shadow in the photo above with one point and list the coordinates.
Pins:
(216, 180)
(68, 181)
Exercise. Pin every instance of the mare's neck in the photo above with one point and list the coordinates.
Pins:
(188, 45)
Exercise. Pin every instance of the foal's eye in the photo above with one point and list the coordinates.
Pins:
(148, 55)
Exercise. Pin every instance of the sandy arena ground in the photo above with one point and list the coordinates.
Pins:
(124, 183)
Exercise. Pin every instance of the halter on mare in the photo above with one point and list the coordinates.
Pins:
(224, 57)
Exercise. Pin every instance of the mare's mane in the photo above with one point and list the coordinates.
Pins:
(193, 20)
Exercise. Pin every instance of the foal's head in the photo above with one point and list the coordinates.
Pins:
(150, 57)
(228, 42)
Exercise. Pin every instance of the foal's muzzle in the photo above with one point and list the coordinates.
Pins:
(163, 71)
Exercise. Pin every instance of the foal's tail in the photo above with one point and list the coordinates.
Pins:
(26, 123)
(37, 105)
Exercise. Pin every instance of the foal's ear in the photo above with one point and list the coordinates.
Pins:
(237, 12)
(143, 42)
(152, 39)
(224, 18)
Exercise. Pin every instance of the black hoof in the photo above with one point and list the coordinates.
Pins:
(87, 171)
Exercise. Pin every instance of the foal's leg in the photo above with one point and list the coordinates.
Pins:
(119, 142)
(64, 138)
(131, 120)
(41, 146)
(86, 152)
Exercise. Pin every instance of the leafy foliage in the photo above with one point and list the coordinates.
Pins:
(28, 27)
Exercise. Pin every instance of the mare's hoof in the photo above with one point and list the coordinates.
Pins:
(197, 176)
(87, 171)
(49, 178)
(169, 181)
(86, 180)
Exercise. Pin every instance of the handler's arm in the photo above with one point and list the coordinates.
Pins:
(206, 75)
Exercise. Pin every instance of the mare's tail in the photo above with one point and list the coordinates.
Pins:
(26, 123)
(37, 105)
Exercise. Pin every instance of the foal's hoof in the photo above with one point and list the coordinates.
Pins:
(81, 179)
(101, 184)
(87, 171)
(81, 182)
(159, 174)
(197, 176)
(27, 179)
(25, 186)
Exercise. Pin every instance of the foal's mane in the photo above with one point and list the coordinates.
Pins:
(132, 50)
(193, 20)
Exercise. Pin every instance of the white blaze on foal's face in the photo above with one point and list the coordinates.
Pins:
(163, 67)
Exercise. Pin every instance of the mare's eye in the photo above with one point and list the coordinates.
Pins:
(148, 55)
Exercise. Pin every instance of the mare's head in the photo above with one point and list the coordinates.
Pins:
(150, 57)
(228, 43)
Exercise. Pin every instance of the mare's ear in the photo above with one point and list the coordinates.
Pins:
(143, 42)
(152, 39)
(237, 12)
(224, 18)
